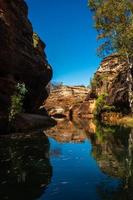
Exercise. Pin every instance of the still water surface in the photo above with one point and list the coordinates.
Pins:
(76, 174)
(80, 160)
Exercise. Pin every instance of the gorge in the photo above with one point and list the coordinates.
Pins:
(106, 97)
(62, 142)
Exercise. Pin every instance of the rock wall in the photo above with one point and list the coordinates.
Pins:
(86, 109)
(111, 79)
(65, 99)
(22, 57)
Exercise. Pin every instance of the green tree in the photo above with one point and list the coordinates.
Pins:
(114, 23)
(17, 101)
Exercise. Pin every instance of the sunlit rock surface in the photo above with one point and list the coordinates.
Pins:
(111, 79)
(86, 109)
(64, 99)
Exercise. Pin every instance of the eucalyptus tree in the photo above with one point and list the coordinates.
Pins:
(114, 23)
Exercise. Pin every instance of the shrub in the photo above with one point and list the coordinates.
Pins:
(96, 81)
(17, 101)
(101, 105)
(100, 102)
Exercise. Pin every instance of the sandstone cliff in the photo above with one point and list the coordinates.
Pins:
(22, 57)
(65, 99)
(110, 79)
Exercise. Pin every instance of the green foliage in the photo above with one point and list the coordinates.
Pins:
(96, 81)
(103, 131)
(114, 23)
(101, 105)
(17, 101)
(108, 108)
(35, 40)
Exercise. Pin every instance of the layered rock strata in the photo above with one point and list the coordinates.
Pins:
(110, 79)
(65, 99)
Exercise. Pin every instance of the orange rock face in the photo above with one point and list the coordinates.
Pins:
(111, 78)
(63, 100)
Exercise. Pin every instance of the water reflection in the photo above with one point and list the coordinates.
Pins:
(25, 169)
(113, 151)
(90, 160)
(67, 131)
(112, 148)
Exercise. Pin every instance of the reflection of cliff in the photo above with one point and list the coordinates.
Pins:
(73, 131)
(110, 148)
(88, 126)
(25, 168)
(66, 131)
(113, 150)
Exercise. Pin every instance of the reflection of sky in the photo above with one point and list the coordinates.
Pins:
(66, 26)
(75, 173)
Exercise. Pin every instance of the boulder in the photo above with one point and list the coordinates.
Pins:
(27, 122)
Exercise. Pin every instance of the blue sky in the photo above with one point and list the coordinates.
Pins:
(66, 26)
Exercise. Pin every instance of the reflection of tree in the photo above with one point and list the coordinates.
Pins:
(128, 182)
(113, 150)
(25, 169)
